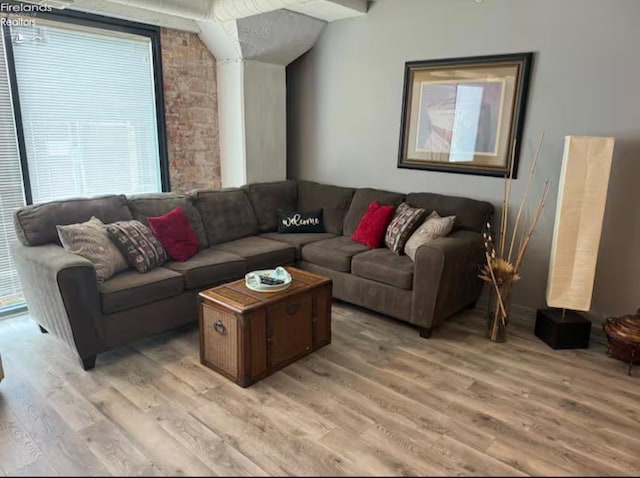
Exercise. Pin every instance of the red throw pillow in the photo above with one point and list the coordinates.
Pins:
(175, 233)
(373, 225)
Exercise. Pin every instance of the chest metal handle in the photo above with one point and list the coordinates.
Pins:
(292, 309)
(220, 328)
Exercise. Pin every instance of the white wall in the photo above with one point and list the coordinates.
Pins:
(265, 121)
(252, 121)
(233, 170)
(344, 102)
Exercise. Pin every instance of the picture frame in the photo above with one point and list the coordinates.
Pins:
(464, 115)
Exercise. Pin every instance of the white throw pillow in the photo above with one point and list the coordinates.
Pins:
(91, 241)
(433, 227)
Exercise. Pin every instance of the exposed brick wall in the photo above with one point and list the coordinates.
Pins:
(191, 105)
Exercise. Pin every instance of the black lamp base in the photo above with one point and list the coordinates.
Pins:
(568, 330)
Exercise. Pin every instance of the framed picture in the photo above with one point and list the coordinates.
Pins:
(464, 115)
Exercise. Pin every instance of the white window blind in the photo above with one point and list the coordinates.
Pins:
(88, 109)
(11, 191)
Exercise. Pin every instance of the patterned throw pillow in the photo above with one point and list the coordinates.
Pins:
(402, 225)
(432, 228)
(138, 244)
(90, 240)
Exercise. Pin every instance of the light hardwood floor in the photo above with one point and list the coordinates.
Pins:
(377, 401)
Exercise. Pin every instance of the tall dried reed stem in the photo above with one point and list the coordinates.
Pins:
(525, 242)
(526, 194)
(505, 203)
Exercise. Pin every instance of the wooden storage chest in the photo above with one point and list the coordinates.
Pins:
(247, 335)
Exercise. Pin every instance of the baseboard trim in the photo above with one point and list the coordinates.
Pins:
(525, 315)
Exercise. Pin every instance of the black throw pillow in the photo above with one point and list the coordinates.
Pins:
(297, 222)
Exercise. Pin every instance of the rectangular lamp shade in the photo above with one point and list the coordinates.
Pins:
(582, 195)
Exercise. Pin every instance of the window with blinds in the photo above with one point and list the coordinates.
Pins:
(88, 111)
(11, 191)
(84, 93)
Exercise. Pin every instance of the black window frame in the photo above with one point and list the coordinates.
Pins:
(102, 22)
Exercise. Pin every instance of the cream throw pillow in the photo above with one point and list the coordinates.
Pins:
(432, 228)
(91, 241)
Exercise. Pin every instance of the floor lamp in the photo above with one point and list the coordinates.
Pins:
(582, 194)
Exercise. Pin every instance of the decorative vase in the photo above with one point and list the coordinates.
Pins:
(496, 324)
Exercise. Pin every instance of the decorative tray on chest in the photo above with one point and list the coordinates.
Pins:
(268, 280)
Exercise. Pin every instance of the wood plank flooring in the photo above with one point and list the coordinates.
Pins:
(377, 401)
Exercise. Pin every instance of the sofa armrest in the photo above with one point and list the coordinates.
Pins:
(61, 291)
(445, 277)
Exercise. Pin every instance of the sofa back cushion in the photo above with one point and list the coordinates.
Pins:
(226, 214)
(333, 200)
(360, 202)
(158, 204)
(471, 214)
(267, 198)
(36, 225)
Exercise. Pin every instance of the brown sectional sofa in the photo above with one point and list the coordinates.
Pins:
(236, 231)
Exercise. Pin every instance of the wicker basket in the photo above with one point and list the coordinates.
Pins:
(623, 334)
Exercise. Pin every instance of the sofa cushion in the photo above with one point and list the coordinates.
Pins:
(362, 198)
(470, 214)
(335, 253)
(209, 267)
(157, 204)
(298, 240)
(259, 252)
(132, 289)
(267, 198)
(384, 266)
(226, 214)
(36, 224)
(333, 200)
